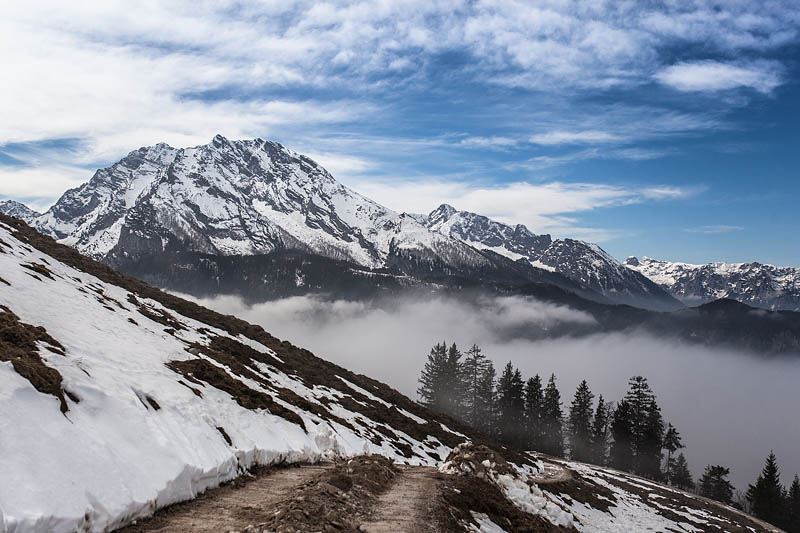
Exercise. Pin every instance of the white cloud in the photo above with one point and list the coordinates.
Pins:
(573, 137)
(543, 207)
(495, 142)
(117, 78)
(714, 229)
(762, 76)
(35, 183)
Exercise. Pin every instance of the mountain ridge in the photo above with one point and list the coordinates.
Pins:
(757, 284)
(253, 197)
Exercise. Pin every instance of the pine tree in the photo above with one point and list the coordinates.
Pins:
(766, 496)
(473, 369)
(510, 405)
(646, 426)
(534, 399)
(432, 389)
(793, 507)
(487, 401)
(599, 436)
(648, 451)
(680, 476)
(552, 420)
(580, 423)
(621, 454)
(714, 484)
(672, 443)
(454, 378)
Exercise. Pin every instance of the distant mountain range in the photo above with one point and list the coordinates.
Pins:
(756, 284)
(256, 218)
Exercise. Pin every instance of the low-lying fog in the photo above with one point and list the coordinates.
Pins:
(731, 407)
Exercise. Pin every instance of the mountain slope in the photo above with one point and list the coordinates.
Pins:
(141, 399)
(119, 399)
(586, 264)
(756, 284)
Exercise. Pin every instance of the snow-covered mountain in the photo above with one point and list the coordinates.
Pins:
(245, 198)
(755, 284)
(583, 262)
(236, 198)
(118, 399)
(18, 210)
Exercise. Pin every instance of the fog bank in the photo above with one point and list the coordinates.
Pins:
(731, 407)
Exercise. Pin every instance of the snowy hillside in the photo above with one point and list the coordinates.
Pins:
(140, 404)
(585, 263)
(755, 284)
(118, 399)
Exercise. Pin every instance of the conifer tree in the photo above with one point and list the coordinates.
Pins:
(621, 454)
(580, 423)
(714, 484)
(646, 427)
(487, 407)
(473, 369)
(793, 505)
(766, 496)
(552, 420)
(648, 451)
(672, 443)
(454, 378)
(534, 399)
(599, 437)
(510, 405)
(680, 476)
(432, 389)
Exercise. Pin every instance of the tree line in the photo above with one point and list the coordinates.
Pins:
(629, 435)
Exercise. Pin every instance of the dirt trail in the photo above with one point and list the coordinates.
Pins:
(408, 505)
(231, 507)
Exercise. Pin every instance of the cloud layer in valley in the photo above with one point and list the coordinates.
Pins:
(732, 408)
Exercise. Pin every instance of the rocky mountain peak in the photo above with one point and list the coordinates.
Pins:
(18, 210)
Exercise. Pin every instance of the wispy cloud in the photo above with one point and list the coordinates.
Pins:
(573, 137)
(714, 229)
(543, 207)
(763, 76)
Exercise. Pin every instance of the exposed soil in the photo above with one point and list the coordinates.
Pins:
(18, 344)
(233, 506)
(200, 370)
(409, 505)
(338, 500)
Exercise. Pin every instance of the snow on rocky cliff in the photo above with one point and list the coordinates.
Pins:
(234, 198)
(582, 262)
(756, 284)
(253, 197)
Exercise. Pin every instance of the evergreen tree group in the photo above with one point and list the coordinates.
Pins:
(770, 501)
(529, 414)
(631, 436)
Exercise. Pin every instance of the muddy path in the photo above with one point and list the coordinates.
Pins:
(234, 506)
(409, 503)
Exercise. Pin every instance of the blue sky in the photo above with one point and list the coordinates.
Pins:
(666, 129)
